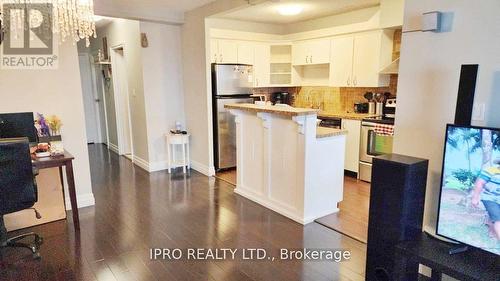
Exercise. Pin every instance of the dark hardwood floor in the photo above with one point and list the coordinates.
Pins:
(352, 219)
(135, 211)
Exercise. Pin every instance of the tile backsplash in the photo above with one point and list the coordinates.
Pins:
(329, 99)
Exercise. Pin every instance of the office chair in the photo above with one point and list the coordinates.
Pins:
(18, 190)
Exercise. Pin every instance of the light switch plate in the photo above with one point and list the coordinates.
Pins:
(478, 111)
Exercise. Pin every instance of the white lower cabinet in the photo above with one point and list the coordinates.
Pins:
(352, 144)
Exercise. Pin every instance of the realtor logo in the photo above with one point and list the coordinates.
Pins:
(29, 39)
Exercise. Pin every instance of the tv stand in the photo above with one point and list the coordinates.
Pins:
(456, 248)
(473, 264)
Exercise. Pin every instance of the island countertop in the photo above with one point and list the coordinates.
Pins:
(322, 132)
(281, 110)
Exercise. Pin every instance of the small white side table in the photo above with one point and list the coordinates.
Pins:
(172, 141)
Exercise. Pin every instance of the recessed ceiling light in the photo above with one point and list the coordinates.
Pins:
(290, 10)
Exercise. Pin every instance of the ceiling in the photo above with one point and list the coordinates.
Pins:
(169, 11)
(267, 11)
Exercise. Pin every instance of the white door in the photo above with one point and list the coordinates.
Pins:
(262, 65)
(352, 144)
(246, 53)
(89, 99)
(319, 51)
(341, 62)
(366, 60)
(120, 82)
(228, 51)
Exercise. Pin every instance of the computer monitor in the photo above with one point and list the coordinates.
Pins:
(17, 125)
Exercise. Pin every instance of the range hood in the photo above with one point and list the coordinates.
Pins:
(392, 68)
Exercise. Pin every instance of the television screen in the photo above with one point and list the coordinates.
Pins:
(469, 208)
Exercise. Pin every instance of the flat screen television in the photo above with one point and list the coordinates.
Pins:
(18, 125)
(469, 204)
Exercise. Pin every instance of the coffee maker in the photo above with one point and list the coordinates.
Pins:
(280, 98)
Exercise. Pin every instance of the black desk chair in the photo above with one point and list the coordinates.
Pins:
(18, 190)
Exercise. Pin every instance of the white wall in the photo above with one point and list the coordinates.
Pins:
(56, 92)
(163, 87)
(429, 77)
(126, 33)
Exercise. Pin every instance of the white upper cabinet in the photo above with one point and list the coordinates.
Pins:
(223, 51)
(356, 60)
(341, 65)
(319, 51)
(214, 51)
(246, 52)
(300, 54)
(366, 59)
(311, 52)
(262, 65)
(228, 50)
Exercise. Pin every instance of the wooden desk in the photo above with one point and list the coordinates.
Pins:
(66, 161)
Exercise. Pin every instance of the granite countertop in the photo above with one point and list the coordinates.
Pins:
(288, 111)
(322, 132)
(346, 115)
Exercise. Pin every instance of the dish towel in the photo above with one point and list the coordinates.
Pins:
(384, 130)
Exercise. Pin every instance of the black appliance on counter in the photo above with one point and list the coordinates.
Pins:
(330, 122)
(361, 107)
(281, 98)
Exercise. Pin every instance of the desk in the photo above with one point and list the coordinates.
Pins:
(66, 161)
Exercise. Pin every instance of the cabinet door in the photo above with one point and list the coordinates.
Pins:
(342, 49)
(300, 53)
(366, 60)
(262, 65)
(214, 51)
(352, 144)
(228, 51)
(246, 53)
(319, 51)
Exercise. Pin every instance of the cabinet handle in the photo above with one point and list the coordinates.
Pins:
(311, 59)
(349, 81)
(221, 58)
(355, 81)
(307, 59)
(257, 81)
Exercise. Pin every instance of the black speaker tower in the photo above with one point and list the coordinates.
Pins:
(466, 91)
(396, 210)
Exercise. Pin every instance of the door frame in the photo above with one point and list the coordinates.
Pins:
(103, 87)
(117, 80)
(93, 82)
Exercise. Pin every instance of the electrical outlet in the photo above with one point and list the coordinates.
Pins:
(478, 112)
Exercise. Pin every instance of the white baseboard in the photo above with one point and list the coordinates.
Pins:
(113, 147)
(141, 163)
(204, 169)
(282, 211)
(158, 166)
(83, 200)
(163, 165)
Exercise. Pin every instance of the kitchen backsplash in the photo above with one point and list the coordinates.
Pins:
(329, 99)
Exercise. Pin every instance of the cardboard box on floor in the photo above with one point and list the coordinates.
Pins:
(50, 203)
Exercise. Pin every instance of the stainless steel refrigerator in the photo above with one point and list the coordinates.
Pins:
(231, 83)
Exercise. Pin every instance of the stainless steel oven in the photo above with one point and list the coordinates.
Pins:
(372, 145)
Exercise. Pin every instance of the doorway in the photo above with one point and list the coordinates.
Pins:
(92, 102)
(122, 101)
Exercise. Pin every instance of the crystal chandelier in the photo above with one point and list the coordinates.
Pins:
(70, 18)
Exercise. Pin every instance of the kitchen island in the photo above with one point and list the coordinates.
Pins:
(286, 163)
